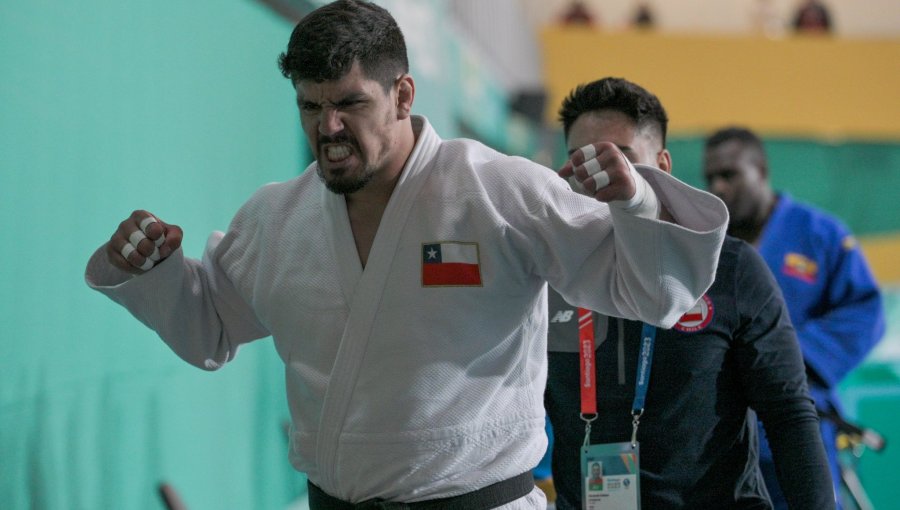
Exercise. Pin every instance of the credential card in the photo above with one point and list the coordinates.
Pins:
(610, 475)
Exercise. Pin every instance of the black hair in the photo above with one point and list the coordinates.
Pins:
(616, 94)
(739, 133)
(748, 139)
(325, 44)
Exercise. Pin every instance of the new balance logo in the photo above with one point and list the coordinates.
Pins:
(563, 316)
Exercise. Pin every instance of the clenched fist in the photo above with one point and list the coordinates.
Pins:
(601, 171)
(141, 242)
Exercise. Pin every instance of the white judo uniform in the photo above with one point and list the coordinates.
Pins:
(422, 375)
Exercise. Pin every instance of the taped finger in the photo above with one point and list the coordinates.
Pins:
(155, 255)
(147, 265)
(126, 250)
(592, 166)
(136, 237)
(145, 223)
(589, 152)
(601, 179)
(576, 184)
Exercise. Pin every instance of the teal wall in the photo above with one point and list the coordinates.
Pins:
(108, 106)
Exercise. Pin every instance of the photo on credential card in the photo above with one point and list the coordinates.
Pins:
(611, 476)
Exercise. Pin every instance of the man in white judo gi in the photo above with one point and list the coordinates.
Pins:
(403, 278)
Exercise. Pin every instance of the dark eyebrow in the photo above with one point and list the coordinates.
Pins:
(353, 97)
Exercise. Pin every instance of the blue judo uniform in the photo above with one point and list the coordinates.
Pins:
(834, 304)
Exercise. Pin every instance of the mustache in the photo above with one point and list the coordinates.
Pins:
(338, 138)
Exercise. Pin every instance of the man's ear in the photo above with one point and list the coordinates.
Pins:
(664, 161)
(406, 93)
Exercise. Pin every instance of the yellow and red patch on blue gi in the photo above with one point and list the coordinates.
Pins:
(450, 264)
(698, 317)
(800, 267)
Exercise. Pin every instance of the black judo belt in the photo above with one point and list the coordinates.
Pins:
(492, 496)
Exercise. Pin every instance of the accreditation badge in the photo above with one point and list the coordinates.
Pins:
(610, 476)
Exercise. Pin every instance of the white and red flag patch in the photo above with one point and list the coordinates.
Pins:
(698, 317)
(450, 264)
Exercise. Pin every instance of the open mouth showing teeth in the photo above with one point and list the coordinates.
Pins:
(337, 152)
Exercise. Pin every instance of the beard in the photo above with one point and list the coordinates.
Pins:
(343, 185)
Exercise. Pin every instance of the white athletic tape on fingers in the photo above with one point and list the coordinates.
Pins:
(155, 255)
(136, 237)
(592, 166)
(589, 152)
(576, 185)
(147, 265)
(145, 223)
(126, 250)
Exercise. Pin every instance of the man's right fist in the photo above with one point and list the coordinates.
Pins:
(141, 242)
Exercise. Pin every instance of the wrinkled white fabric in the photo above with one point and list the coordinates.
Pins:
(407, 392)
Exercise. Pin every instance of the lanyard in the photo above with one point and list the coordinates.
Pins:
(586, 355)
(588, 379)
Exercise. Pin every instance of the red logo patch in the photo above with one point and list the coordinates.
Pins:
(697, 318)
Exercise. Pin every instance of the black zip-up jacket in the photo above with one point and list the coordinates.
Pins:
(734, 353)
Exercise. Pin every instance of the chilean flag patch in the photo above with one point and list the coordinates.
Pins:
(698, 317)
(450, 264)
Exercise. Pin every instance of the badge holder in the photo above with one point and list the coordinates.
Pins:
(610, 472)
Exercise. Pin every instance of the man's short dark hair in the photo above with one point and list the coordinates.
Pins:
(620, 95)
(325, 44)
(748, 139)
(740, 133)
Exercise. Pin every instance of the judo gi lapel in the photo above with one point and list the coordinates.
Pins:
(363, 290)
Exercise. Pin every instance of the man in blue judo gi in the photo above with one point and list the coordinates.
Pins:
(833, 299)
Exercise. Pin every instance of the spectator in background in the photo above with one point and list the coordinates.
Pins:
(813, 17)
(834, 302)
(734, 351)
(577, 13)
(643, 16)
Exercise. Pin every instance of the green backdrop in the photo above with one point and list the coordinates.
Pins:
(108, 106)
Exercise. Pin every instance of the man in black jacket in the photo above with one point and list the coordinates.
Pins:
(734, 353)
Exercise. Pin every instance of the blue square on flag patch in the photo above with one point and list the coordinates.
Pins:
(450, 264)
